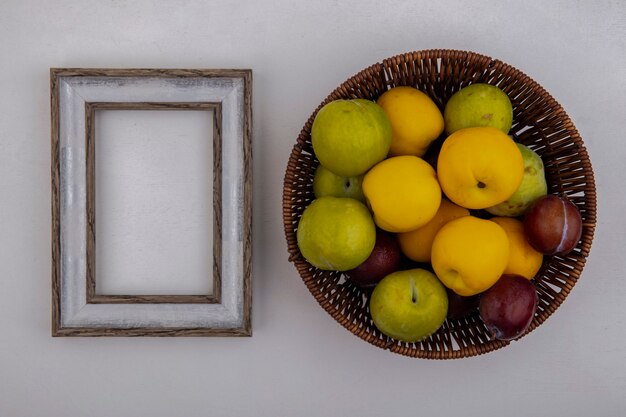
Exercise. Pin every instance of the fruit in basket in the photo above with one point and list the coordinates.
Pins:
(336, 233)
(326, 183)
(479, 167)
(384, 259)
(409, 305)
(415, 119)
(508, 308)
(524, 260)
(478, 105)
(470, 254)
(460, 306)
(402, 192)
(553, 225)
(532, 187)
(351, 136)
(417, 244)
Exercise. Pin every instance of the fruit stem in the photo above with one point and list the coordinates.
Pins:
(413, 291)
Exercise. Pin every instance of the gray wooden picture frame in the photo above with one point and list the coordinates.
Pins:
(76, 95)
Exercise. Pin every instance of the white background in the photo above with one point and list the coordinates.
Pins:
(142, 196)
(299, 361)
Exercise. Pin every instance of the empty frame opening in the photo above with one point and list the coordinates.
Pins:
(153, 202)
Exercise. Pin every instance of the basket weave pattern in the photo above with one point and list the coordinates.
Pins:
(538, 122)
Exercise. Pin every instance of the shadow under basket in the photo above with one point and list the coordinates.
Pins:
(539, 122)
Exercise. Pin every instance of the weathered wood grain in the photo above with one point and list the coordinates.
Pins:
(90, 117)
(247, 215)
(150, 72)
(92, 296)
(56, 204)
(150, 331)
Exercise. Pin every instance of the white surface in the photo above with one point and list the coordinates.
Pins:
(299, 361)
(74, 92)
(154, 202)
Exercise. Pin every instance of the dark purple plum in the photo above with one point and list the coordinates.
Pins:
(553, 225)
(384, 259)
(508, 307)
(460, 306)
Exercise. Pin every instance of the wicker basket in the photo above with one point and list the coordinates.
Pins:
(538, 122)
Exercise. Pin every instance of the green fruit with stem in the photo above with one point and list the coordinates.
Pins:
(409, 305)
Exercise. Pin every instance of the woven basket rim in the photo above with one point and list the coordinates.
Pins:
(307, 272)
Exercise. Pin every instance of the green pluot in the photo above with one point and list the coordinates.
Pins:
(325, 183)
(409, 305)
(336, 233)
(532, 187)
(478, 105)
(351, 136)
